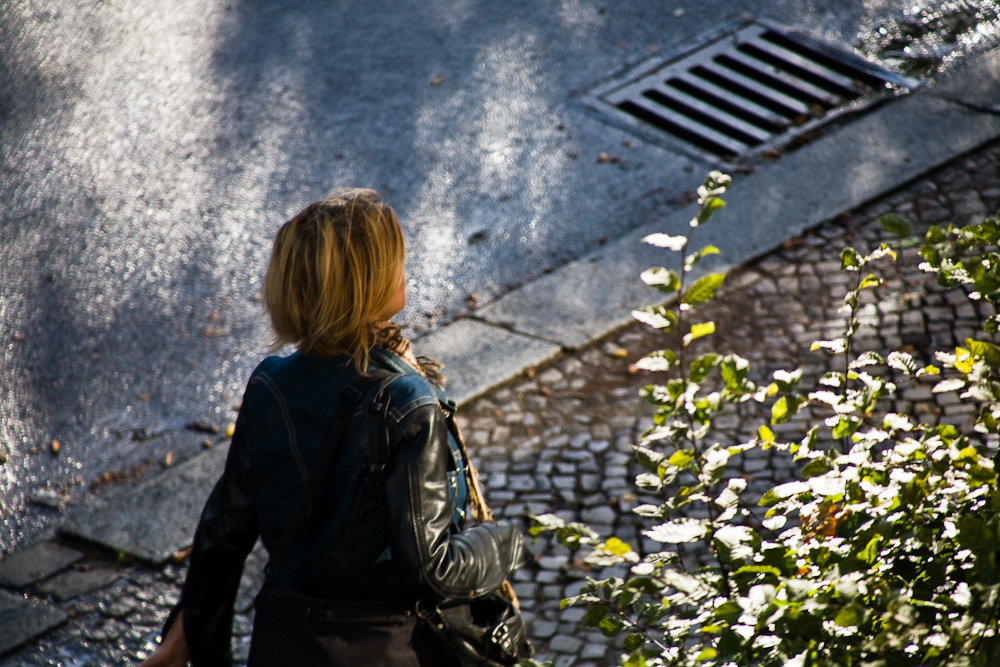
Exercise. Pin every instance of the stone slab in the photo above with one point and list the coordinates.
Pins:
(976, 83)
(839, 172)
(35, 563)
(478, 356)
(153, 520)
(70, 584)
(23, 619)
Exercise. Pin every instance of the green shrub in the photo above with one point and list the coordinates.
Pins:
(882, 553)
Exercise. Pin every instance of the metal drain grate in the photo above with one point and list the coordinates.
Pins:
(757, 87)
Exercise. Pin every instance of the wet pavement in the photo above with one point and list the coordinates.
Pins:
(148, 152)
(559, 438)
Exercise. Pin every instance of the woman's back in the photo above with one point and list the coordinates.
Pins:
(342, 551)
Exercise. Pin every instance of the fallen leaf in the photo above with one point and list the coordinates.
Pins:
(202, 427)
(143, 397)
(54, 447)
(168, 460)
(181, 554)
(437, 81)
(206, 443)
(230, 429)
(602, 158)
(17, 338)
(772, 153)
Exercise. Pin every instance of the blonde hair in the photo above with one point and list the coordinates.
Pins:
(334, 267)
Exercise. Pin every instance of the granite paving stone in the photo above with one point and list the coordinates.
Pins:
(121, 521)
(22, 619)
(35, 563)
(73, 583)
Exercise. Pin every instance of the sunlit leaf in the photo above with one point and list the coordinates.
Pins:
(902, 361)
(677, 531)
(699, 330)
(948, 385)
(665, 280)
(666, 241)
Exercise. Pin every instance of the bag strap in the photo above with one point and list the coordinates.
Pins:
(349, 399)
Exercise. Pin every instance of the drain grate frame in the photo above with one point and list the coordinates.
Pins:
(742, 91)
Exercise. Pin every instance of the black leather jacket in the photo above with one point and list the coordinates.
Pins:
(352, 547)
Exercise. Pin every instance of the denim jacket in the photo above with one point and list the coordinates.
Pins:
(410, 544)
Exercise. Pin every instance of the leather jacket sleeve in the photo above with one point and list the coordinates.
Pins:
(444, 565)
(225, 535)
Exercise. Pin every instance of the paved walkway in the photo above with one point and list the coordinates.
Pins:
(558, 439)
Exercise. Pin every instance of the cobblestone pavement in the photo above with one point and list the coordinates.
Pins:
(559, 439)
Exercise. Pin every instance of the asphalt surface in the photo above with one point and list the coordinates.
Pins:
(149, 151)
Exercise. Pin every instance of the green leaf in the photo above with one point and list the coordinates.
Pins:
(649, 459)
(707, 654)
(681, 458)
(784, 408)
(758, 569)
(594, 615)
(985, 350)
(765, 434)
(816, 467)
(871, 280)
(662, 279)
(845, 426)
(894, 224)
(634, 642)
(703, 289)
(734, 369)
(706, 211)
(849, 615)
(701, 366)
(699, 330)
(695, 257)
(849, 259)
(635, 659)
(610, 626)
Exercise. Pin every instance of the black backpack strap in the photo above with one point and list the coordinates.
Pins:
(349, 400)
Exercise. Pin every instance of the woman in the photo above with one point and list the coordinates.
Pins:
(372, 545)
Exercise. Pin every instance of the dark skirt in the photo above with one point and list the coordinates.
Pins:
(290, 629)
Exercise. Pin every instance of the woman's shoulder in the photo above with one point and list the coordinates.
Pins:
(408, 392)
